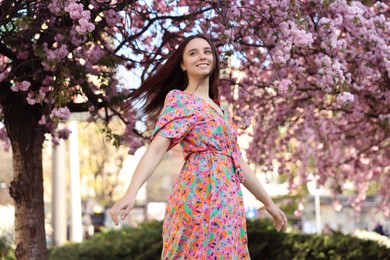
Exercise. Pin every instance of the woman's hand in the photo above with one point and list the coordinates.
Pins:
(280, 220)
(122, 207)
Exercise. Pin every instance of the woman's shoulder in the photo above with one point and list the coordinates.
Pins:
(181, 98)
(177, 94)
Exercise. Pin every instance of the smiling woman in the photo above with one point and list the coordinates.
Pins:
(205, 216)
(198, 63)
(198, 59)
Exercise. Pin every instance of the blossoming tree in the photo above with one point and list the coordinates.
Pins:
(309, 80)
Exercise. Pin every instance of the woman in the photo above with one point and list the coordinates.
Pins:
(205, 217)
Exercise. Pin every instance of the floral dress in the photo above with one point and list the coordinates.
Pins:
(205, 217)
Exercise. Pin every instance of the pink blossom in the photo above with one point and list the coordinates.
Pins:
(61, 113)
(337, 205)
(381, 7)
(345, 98)
(74, 9)
(112, 17)
(96, 53)
(284, 87)
(46, 66)
(42, 92)
(4, 138)
(302, 38)
(85, 26)
(21, 86)
(42, 121)
(385, 117)
(47, 81)
(64, 133)
(57, 54)
(30, 98)
(3, 76)
(58, 37)
(54, 7)
(77, 39)
(90, 68)
(54, 140)
(77, 13)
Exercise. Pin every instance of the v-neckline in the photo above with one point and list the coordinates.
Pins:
(222, 115)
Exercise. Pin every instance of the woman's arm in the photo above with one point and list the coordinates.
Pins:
(145, 168)
(254, 186)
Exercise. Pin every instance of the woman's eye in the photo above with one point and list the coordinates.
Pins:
(207, 52)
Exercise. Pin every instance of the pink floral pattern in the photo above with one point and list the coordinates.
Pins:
(205, 217)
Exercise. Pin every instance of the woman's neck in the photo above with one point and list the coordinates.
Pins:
(199, 87)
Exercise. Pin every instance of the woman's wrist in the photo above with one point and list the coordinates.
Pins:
(268, 203)
(131, 193)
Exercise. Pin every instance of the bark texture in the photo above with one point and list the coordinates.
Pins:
(27, 136)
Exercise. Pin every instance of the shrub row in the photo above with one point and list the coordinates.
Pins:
(145, 242)
(6, 251)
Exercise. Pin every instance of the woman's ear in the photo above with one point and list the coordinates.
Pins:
(182, 67)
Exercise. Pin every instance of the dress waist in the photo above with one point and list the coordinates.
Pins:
(206, 152)
(237, 168)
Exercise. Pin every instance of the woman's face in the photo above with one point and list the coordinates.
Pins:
(198, 59)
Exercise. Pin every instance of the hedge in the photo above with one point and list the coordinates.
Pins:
(145, 242)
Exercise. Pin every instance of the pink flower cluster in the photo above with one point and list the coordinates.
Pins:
(3, 75)
(330, 72)
(290, 37)
(54, 7)
(77, 39)
(21, 86)
(42, 121)
(385, 117)
(329, 34)
(76, 12)
(33, 97)
(94, 54)
(129, 138)
(57, 54)
(345, 98)
(112, 17)
(4, 138)
(284, 87)
(291, 33)
(63, 133)
(61, 113)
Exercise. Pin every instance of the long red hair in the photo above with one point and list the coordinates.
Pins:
(170, 76)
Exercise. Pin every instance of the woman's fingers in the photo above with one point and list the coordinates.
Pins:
(126, 212)
(114, 213)
(280, 221)
(285, 221)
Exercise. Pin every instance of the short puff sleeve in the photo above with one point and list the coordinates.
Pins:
(177, 117)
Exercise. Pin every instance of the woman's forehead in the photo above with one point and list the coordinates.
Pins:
(197, 43)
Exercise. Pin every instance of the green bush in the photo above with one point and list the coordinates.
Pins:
(264, 243)
(6, 250)
(144, 242)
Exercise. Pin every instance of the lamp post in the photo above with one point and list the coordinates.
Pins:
(315, 191)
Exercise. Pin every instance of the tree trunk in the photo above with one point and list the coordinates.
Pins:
(27, 136)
